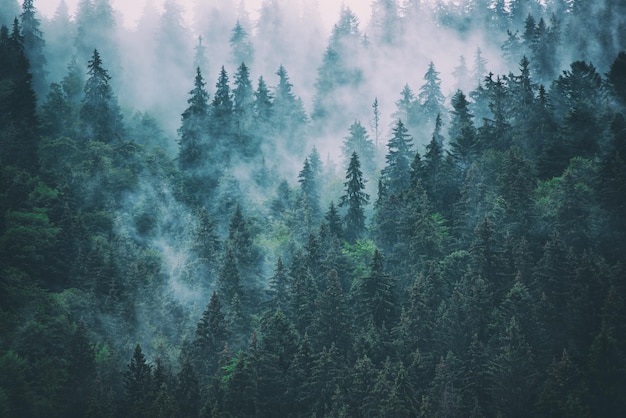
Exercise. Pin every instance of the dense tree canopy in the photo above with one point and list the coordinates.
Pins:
(167, 252)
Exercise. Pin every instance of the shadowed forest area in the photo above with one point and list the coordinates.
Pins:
(422, 215)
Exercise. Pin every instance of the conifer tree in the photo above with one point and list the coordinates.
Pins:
(138, 387)
(399, 156)
(194, 125)
(279, 287)
(359, 142)
(430, 97)
(199, 59)
(355, 199)
(229, 279)
(375, 299)
(262, 103)
(100, 114)
(221, 122)
(34, 47)
(18, 103)
(309, 187)
(240, 45)
(463, 138)
(333, 220)
(243, 98)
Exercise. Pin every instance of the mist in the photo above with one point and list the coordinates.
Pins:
(235, 195)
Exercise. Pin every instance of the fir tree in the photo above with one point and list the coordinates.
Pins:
(430, 96)
(240, 45)
(99, 113)
(399, 156)
(34, 46)
(359, 142)
(355, 199)
(463, 139)
(194, 125)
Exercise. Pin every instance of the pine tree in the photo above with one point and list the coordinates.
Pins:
(480, 66)
(222, 122)
(430, 96)
(399, 156)
(194, 125)
(359, 142)
(332, 321)
(289, 117)
(463, 138)
(333, 220)
(375, 298)
(229, 279)
(279, 287)
(309, 187)
(187, 391)
(199, 59)
(262, 103)
(406, 107)
(243, 108)
(99, 113)
(138, 387)
(355, 199)
(241, 47)
(34, 47)
(18, 104)
(461, 75)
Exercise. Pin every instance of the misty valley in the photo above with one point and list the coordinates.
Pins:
(219, 213)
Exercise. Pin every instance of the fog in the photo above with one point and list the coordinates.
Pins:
(338, 61)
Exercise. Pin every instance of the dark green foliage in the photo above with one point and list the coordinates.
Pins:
(99, 113)
(464, 145)
(398, 160)
(355, 199)
(501, 290)
(194, 125)
(34, 46)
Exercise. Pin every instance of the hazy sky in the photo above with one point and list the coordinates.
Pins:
(131, 9)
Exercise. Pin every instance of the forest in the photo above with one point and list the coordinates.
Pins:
(421, 215)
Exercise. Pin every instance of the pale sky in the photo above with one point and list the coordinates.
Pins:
(131, 9)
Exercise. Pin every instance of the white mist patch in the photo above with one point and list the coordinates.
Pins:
(175, 261)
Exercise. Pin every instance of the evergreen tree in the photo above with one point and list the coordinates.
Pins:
(332, 325)
(463, 139)
(187, 391)
(193, 128)
(240, 45)
(221, 111)
(309, 187)
(375, 298)
(355, 199)
(262, 103)
(279, 287)
(243, 98)
(34, 47)
(430, 96)
(359, 142)
(333, 220)
(18, 103)
(462, 75)
(385, 23)
(199, 59)
(479, 70)
(229, 279)
(398, 158)
(100, 114)
(289, 117)
(406, 107)
(138, 387)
